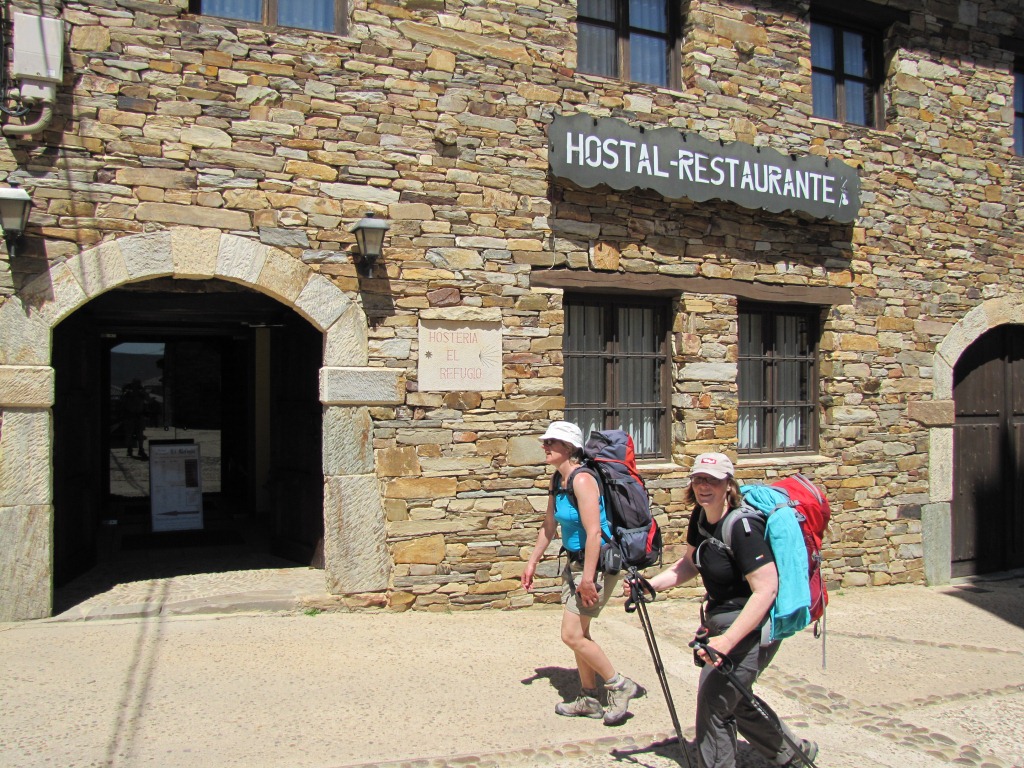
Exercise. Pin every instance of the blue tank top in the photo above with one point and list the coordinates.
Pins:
(567, 515)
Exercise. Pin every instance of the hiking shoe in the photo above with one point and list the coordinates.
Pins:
(584, 706)
(810, 750)
(618, 700)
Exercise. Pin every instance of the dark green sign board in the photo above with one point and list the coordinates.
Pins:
(591, 151)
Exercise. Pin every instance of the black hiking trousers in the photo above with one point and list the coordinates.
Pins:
(722, 710)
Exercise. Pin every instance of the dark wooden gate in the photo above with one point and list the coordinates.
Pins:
(988, 448)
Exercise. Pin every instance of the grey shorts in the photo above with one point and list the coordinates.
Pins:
(606, 586)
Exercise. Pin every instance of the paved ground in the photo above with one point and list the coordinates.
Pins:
(233, 669)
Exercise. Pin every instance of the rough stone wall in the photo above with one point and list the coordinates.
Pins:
(433, 114)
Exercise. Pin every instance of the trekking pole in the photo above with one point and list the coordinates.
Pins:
(640, 593)
(724, 665)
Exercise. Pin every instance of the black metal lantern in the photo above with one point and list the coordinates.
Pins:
(14, 207)
(369, 233)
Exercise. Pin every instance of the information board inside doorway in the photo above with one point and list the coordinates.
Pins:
(175, 486)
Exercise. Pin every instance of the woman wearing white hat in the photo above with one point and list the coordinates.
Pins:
(741, 589)
(575, 504)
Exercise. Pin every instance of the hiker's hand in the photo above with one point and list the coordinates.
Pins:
(588, 592)
(527, 578)
(721, 645)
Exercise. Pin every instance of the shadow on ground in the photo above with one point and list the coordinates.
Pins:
(1001, 594)
(163, 563)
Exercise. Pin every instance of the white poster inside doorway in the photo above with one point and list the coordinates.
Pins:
(175, 487)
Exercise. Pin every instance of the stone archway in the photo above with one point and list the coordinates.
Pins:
(938, 415)
(355, 547)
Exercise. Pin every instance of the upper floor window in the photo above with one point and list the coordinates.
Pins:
(319, 15)
(778, 382)
(846, 79)
(616, 368)
(1018, 110)
(628, 39)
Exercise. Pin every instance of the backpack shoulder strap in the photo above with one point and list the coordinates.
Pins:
(556, 481)
(740, 515)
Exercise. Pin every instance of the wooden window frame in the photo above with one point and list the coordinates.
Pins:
(875, 61)
(622, 28)
(270, 8)
(771, 403)
(612, 356)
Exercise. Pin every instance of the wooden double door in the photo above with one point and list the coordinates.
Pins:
(988, 448)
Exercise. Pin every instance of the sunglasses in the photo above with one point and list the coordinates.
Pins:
(706, 480)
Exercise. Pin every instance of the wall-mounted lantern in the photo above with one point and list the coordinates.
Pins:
(369, 234)
(14, 207)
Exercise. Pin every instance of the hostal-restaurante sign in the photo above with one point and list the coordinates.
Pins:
(590, 151)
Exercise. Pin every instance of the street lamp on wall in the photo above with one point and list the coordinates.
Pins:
(369, 234)
(14, 207)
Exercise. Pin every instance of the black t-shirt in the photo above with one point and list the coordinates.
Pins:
(724, 577)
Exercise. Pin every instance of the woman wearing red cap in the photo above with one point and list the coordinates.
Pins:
(575, 504)
(741, 589)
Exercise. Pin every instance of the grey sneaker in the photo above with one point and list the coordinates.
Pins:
(584, 706)
(810, 750)
(618, 700)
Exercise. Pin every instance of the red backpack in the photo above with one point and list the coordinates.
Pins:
(814, 513)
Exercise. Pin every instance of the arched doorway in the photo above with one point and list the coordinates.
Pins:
(187, 432)
(356, 556)
(988, 454)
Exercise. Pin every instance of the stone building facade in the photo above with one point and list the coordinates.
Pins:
(189, 154)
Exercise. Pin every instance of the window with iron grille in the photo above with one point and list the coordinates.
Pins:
(629, 40)
(616, 368)
(778, 379)
(318, 15)
(846, 79)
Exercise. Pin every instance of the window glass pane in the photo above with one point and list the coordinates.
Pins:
(788, 430)
(597, 52)
(822, 53)
(584, 328)
(648, 14)
(648, 59)
(751, 336)
(306, 14)
(245, 10)
(1018, 135)
(824, 88)
(855, 54)
(642, 424)
(637, 330)
(597, 9)
(751, 381)
(1018, 92)
(858, 104)
(585, 381)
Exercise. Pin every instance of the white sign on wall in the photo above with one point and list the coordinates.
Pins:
(459, 355)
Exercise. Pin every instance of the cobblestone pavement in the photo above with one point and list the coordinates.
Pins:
(234, 669)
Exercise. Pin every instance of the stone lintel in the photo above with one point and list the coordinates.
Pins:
(362, 386)
(26, 386)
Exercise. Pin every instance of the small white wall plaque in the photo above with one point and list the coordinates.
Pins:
(459, 355)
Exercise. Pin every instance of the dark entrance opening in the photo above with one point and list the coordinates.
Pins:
(988, 454)
(187, 434)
